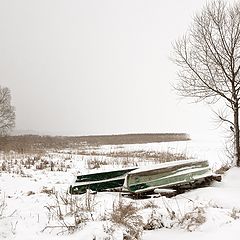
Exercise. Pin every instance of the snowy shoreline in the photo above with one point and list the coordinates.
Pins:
(27, 196)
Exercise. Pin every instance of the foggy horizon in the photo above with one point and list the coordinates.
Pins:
(97, 67)
(17, 132)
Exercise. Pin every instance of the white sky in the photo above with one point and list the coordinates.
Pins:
(96, 66)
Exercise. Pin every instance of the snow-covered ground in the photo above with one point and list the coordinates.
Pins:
(34, 203)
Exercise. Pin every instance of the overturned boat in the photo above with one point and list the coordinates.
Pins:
(175, 176)
(99, 181)
(164, 178)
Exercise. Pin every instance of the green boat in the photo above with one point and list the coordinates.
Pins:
(170, 175)
(99, 181)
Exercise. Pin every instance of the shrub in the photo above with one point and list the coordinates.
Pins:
(126, 215)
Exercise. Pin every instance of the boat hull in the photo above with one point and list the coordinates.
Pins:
(167, 175)
(99, 181)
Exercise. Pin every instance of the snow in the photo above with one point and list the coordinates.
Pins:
(25, 199)
(166, 165)
(219, 200)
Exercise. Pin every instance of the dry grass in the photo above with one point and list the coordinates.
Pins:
(155, 156)
(126, 215)
(150, 204)
(192, 220)
(48, 191)
(31, 151)
(154, 221)
(39, 144)
(69, 213)
(224, 168)
(95, 163)
(17, 163)
(130, 158)
(235, 213)
(3, 206)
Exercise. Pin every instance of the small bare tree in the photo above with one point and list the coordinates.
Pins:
(7, 112)
(208, 57)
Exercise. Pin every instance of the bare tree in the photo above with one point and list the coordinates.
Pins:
(7, 112)
(208, 56)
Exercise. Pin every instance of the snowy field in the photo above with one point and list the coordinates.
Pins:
(34, 203)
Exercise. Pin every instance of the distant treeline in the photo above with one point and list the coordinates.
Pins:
(33, 143)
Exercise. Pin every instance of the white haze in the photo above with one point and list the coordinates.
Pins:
(96, 67)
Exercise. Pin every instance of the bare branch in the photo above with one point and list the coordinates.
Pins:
(208, 57)
(7, 112)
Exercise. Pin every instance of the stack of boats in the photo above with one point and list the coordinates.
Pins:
(165, 177)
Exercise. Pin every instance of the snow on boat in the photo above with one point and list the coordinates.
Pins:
(171, 175)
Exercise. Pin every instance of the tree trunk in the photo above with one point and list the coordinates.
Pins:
(236, 136)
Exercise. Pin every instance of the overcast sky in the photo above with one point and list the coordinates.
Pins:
(95, 66)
